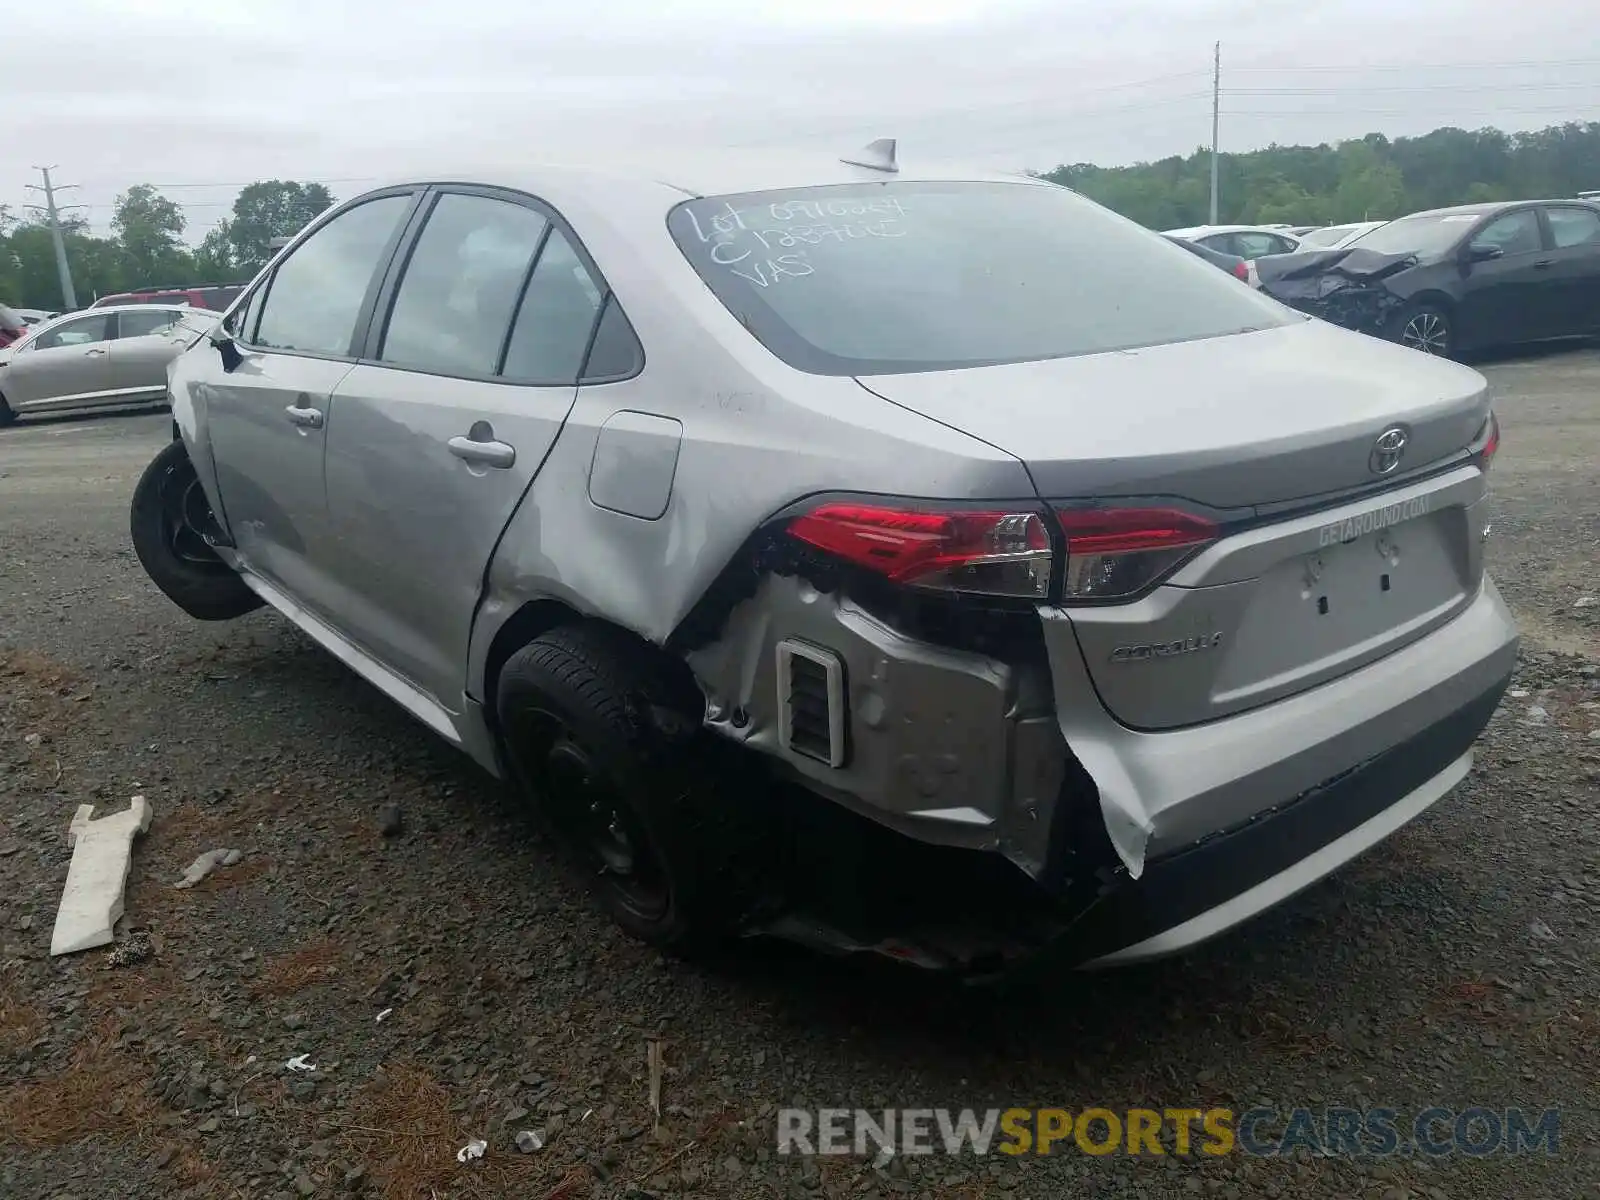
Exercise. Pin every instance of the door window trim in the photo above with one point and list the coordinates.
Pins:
(369, 341)
(383, 266)
(1493, 218)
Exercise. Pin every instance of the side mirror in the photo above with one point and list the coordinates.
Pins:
(226, 348)
(1483, 252)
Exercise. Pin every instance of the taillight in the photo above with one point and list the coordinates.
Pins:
(1241, 270)
(1489, 435)
(992, 553)
(1113, 553)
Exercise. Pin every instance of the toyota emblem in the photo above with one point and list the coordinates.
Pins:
(1388, 450)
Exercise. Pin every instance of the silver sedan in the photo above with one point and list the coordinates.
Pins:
(106, 357)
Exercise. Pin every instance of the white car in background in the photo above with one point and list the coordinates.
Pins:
(1337, 237)
(1248, 242)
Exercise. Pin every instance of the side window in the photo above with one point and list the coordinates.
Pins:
(455, 302)
(1282, 245)
(138, 324)
(83, 332)
(316, 293)
(1573, 226)
(1221, 242)
(1514, 233)
(555, 319)
(1256, 245)
(243, 322)
(616, 353)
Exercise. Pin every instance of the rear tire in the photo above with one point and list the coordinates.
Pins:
(6, 414)
(1427, 328)
(166, 521)
(606, 744)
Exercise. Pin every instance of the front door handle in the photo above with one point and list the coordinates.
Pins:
(489, 454)
(1543, 264)
(306, 418)
(94, 351)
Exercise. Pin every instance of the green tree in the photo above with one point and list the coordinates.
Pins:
(1370, 177)
(149, 228)
(263, 211)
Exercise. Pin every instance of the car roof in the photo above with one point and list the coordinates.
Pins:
(702, 173)
(1204, 230)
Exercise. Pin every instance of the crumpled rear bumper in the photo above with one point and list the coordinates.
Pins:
(1163, 792)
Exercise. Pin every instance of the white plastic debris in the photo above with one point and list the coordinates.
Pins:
(1541, 932)
(299, 1063)
(1518, 693)
(207, 863)
(384, 1014)
(91, 901)
(473, 1149)
(1538, 715)
(1585, 602)
(530, 1140)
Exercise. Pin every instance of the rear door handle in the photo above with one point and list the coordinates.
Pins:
(490, 454)
(94, 351)
(306, 418)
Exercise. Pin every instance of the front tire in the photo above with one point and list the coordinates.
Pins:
(167, 520)
(604, 741)
(6, 414)
(1427, 328)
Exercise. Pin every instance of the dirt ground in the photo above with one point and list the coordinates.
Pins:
(1456, 965)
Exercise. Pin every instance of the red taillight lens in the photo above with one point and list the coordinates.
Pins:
(1117, 552)
(1241, 270)
(1490, 436)
(987, 553)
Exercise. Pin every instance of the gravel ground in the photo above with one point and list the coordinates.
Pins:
(1455, 965)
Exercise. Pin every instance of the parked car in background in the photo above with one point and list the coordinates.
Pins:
(1231, 263)
(1452, 280)
(214, 297)
(103, 357)
(1332, 237)
(1049, 548)
(1248, 242)
(13, 326)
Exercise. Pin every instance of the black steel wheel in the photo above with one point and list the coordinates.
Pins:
(171, 523)
(602, 734)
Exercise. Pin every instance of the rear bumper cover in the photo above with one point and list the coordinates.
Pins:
(1189, 896)
(1164, 792)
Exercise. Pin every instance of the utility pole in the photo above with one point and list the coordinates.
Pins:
(1216, 104)
(53, 215)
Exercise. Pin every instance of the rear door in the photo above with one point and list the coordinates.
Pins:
(1506, 300)
(267, 415)
(1574, 232)
(65, 366)
(471, 368)
(147, 341)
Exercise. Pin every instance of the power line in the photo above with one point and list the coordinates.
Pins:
(53, 214)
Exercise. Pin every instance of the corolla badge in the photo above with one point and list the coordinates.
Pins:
(1145, 651)
(1388, 450)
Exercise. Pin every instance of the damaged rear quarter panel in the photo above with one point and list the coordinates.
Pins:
(757, 437)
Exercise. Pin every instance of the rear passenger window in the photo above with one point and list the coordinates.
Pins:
(139, 324)
(616, 353)
(1573, 226)
(316, 293)
(455, 302)
(557, 315)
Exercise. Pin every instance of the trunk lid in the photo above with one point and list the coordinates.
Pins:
(1326, 569)
(1251, 419)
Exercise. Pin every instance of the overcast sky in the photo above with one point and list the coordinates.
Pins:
(210, 94)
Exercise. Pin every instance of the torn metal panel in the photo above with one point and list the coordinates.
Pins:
(945, 745)
(1346, 287)
(91, 901)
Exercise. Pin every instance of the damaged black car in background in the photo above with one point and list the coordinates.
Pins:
(1456, 279)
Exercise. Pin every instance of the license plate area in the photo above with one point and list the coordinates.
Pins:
(1320, 611)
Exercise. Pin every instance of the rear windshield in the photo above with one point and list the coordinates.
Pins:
(1326, 237)
(883, 278)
